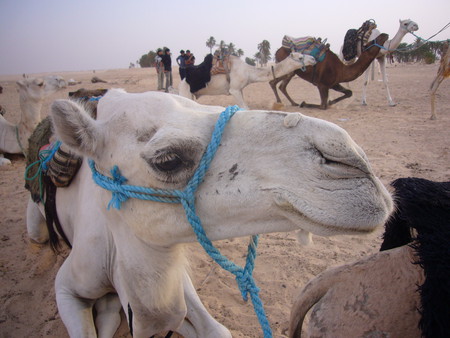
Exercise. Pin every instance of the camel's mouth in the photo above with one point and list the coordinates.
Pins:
(320, 221)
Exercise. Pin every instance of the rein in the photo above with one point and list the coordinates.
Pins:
(121, 192)
(408, 49)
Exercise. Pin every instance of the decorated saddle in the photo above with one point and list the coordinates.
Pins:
(221, 62)
(49, 161)
(362, 34)
(307, 45)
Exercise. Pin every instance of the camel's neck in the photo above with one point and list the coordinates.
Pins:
(353, 71)
(261, 74)
(393, 44)
(30, 114)
(149, 275)
(269, 73)
(14, 138)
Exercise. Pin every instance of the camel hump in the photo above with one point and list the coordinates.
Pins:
(311, 294)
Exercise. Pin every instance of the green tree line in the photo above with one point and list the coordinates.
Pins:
(419, 52)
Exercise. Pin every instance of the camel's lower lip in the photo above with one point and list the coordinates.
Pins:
(315, 225)
(319, 228)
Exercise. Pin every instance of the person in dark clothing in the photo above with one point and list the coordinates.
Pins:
(190, 59)
(181, 60)
(167, 62)
(159, 68)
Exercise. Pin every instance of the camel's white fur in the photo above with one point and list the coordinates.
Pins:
(272, 172)
(374, 297)
(32, 93)
(242, 74)
(406, 26)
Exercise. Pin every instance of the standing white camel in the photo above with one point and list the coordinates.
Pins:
(32, 93)
(291, 171)
(406, 26)
(242, 74)
(443, 73)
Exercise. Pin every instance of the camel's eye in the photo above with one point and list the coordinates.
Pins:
(174, 163)
(168, 162)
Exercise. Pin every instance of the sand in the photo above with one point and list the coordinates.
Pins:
(400, 141)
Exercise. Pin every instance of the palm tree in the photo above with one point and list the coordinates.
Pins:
(231, 48)
(210, 43)
(257, 57)
(240, 52)
(264, 49)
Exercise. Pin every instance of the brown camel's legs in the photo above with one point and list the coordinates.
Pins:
(347, 93)
(273, 84)
(323, 91)
(286, 80)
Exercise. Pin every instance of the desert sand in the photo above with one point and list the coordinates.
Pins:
(400, 141)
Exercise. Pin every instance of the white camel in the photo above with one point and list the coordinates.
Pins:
(406, 26)
(442, 73)
(32, 93)
(374, 297)
(242, 74)
(273, 172)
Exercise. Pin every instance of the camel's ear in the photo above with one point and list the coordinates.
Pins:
(75, 128)
(20, 84)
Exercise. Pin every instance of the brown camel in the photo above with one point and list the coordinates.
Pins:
(443, 73)
(328, 74)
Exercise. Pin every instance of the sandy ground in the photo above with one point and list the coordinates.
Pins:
(400, 141)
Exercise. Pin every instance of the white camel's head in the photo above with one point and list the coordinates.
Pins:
(408, 25)
(303, 59)
(39, 88)
(272, 172)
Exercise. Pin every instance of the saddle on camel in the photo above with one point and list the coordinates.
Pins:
(307, 45)
(51, 165)
(198, 76)
(350, 48)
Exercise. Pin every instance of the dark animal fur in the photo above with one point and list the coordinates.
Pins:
(198, 76)
(424, 206)
(85, 95)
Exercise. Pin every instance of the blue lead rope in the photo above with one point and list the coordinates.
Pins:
(121, 192)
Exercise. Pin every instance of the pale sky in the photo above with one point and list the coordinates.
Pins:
(74, 35)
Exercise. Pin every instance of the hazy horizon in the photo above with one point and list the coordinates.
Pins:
(57, 36)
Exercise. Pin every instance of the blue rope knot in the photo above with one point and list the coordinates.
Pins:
(118, 197)
(246, 284)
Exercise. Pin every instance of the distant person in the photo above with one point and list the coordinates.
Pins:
(190, 59)
(181, 60)
(167, 61)
(159, 68)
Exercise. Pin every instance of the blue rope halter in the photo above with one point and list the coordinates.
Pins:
(121, 192)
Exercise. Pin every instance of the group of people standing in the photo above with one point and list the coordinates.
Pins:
(185, 60)
(163, 64)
